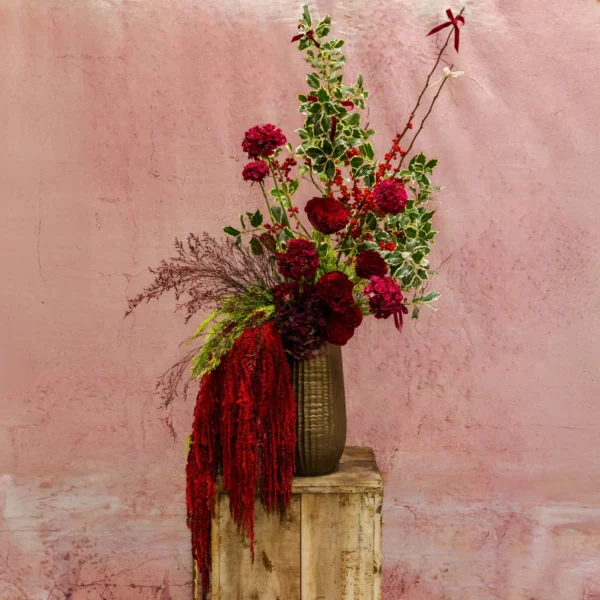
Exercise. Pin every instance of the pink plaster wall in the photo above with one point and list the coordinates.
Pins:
(121, 122)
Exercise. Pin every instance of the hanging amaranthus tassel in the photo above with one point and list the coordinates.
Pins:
(245, 417)
(202, 465)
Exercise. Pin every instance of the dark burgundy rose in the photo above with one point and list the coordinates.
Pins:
(369, 263)
(390, 196)
(341, 326)
(327, 215)
(255, 171)
(335, 289)
(299, 260)
(262, 140)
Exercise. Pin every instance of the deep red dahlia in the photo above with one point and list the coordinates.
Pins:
(385, 297)
(255, 171)
(262, 140)
(299, 260)
(340, 326)
(369, 263)
(327, 215)
(390, 196)
(336, 290)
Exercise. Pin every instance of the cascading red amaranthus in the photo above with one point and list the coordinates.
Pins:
(244, 421)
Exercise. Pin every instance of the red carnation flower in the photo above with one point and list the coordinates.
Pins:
(340, 326)
(255, 171)
(336, 290)
(385, 297)
(262, 140)
(369, 263)
(390, 196)
(327, 215)
(299, 260)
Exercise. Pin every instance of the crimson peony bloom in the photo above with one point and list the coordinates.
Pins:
(336, 290)
(341, 326)
(390, 196)
(262, 140)
(299, 260)
(327, 215)
(385, 297)
(255, 171)
(369, 263)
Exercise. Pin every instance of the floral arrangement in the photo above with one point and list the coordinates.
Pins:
(286, 281)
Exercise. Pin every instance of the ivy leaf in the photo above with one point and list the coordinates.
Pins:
(367, 246)
(371, 222)
(231, 231)
(367, 150)
(286, 234)
(256, 247)
(431, 297)
(410, 232)
(353, 119)
(276, 193)
(330, 169)
(313, 152)
(313, 81)
(279, 215)
(302, 133)
(293, 186)
(431, 165)
(242, 222)
(322, 95)
(306, 15)
(256, 219)
(356, 162)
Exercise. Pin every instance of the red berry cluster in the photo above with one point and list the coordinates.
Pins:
(391, 156)
(387, 246)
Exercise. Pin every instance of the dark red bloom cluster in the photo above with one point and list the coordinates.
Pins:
(335, 289)
(327, 215)
(341, 325)
(262, 140)
(300, 260)
(369, 263)
(390, 196)
(255, 171)
(301, 317)
(385, 297)
(309, 315)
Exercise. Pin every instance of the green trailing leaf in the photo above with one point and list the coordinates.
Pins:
(231, 231)
(256, 219)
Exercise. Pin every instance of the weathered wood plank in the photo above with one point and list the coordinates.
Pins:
(338, 536)
(275, 573)
(356, 474)
(377, 559)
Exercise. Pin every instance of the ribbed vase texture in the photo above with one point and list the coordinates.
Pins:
(321, 403)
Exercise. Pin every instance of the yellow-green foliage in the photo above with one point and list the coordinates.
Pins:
(224, 325)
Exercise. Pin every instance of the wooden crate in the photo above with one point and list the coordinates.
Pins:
(328, 546)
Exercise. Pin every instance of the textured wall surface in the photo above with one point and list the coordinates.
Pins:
(121, 122)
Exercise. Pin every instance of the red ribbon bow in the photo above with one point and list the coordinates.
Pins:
(453, 22)
(310, 34)
(398, 322)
